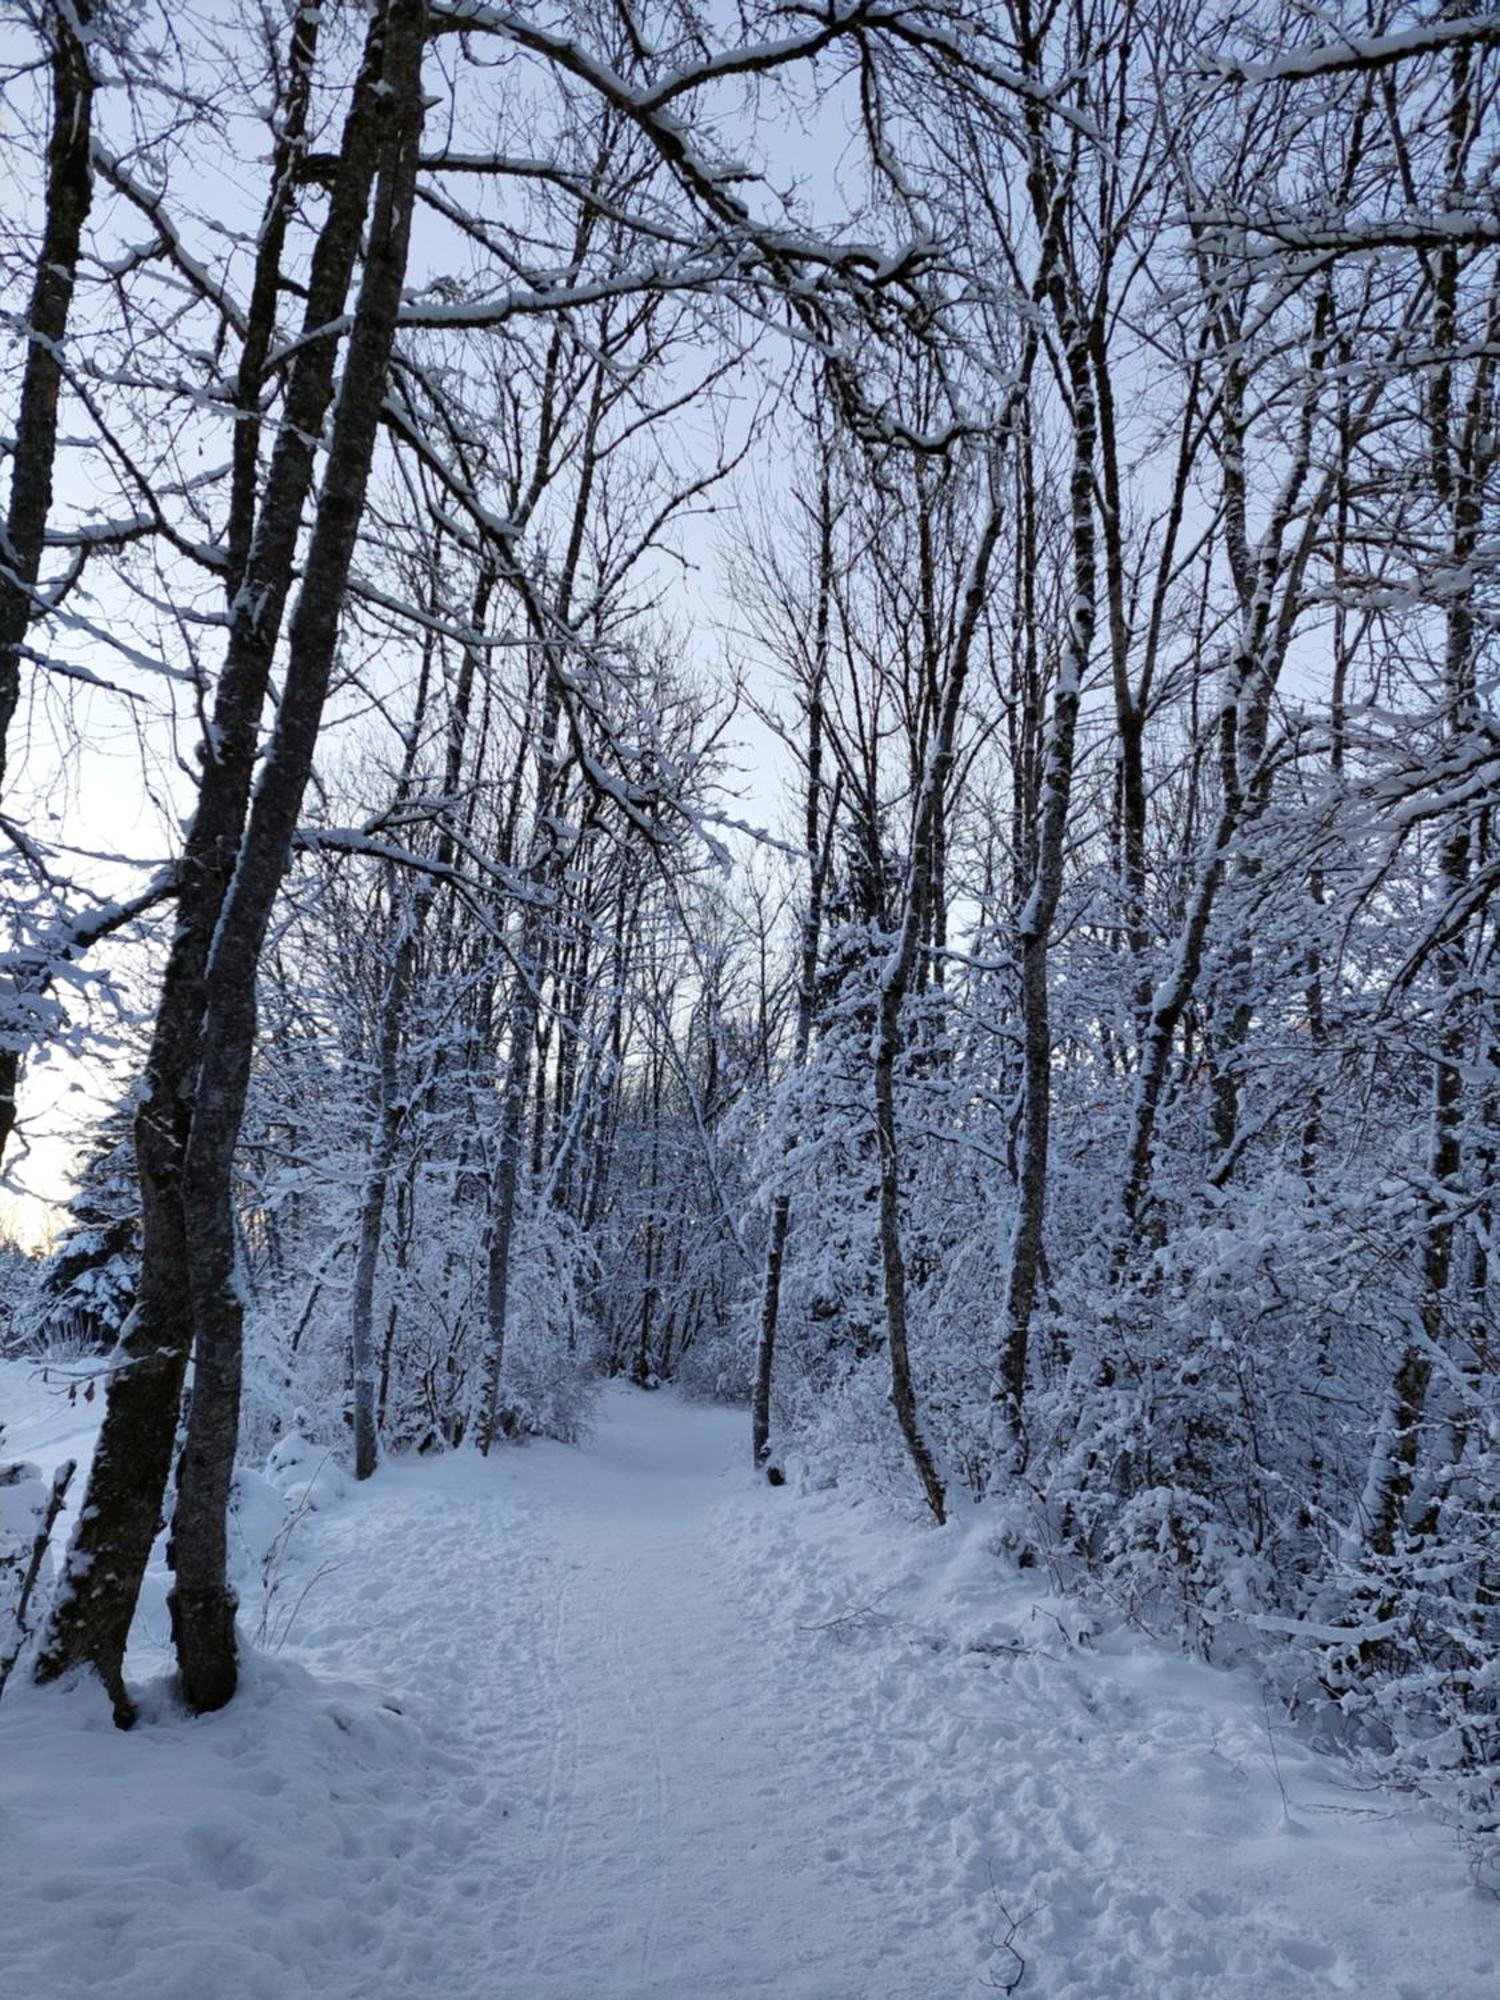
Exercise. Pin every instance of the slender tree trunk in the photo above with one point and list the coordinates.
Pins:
(895, 984)
(542, 876)
(1040, 908)
(642, 1373)
(504, 1193)
(1130, 717)
(1457, 441)
(390, 1113)
(33, 457)
(34, 453)
(819, 854)
(369, 1382)
(1270, 583)
(893, 1269)
(525, 1005)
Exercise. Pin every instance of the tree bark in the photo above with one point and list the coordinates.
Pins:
(894, 985)
(819, 854)
(118, 1523)
(34, 454)
(370, 1383)
(70, 188)
(1040, 908)
(202, 1603)
(1457, 445)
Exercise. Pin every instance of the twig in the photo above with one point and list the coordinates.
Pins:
(1286, 1804)
(1008, 1981)
(845, 1618)
(324, 1569)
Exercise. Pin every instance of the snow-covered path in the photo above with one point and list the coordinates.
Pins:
(683, 1817)
(616, 1724)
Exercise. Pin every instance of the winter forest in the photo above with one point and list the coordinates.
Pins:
(749, 791)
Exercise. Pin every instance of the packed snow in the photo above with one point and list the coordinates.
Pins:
(608, 1721)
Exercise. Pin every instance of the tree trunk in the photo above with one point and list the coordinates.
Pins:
(372, 1206)
(1040, 908)
(819, 854)
(370, 1384)
(34, 453)
(1458, 475)
(127, 1481)
(504, 1191)
(202, 1604)
(69, 193)
(894, 986)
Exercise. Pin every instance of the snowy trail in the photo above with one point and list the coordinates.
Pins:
(681, 1816)
(616, 1724)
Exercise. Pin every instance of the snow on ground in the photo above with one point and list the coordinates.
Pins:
(617, 1724)
(48, 1415)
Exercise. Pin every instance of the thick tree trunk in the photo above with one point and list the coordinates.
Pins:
(201, 1603)
(127, 1480)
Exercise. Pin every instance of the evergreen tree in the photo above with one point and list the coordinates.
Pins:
(87, 1286)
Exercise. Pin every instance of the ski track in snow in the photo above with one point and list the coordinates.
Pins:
(618, 1724)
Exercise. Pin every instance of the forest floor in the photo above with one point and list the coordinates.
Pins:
(583, 1724)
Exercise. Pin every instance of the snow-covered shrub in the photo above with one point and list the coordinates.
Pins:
(18, 1296)
(1414, 1690)
(551, 1363)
